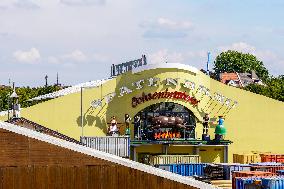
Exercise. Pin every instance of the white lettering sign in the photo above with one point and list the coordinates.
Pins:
(124, 90)
(171, 81)
(189, 85)
(138, 84)
(109, 97)
(153, 82)
(96, 103)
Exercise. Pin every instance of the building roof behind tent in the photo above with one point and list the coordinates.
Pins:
(105, 156)
(246, 78)
(254, 75)
(224, 77)
(165, 65)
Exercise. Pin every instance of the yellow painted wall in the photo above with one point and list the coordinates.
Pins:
(211, 154)
(256, 124)
(152, 149)
(177, 149)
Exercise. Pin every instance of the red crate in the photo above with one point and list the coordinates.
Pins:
(269, 168)
(279, 158)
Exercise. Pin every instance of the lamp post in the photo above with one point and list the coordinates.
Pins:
(14, 97)
(8, 96)
(82, 119)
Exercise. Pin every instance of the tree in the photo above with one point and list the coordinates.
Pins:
(234, 61)
(24, 93)
(274, 88)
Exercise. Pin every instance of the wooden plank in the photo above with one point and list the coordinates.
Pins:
(30, 163)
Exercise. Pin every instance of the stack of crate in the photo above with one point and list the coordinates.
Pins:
(272, 167)
(246, 158)
(268, 157)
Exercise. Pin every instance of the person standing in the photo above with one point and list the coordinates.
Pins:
(127, 120)
(113, 129)
(205, 124)
(137, 126)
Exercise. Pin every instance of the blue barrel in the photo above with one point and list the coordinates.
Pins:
(273, 183)
(240, 183)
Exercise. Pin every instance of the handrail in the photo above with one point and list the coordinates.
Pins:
(39, 128)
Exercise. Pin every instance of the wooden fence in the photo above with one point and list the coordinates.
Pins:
(27, 163)
(85, 177)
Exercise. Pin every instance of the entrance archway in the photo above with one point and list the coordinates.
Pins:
(164, 120)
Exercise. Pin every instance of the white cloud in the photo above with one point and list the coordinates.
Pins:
(239, 46)
(264, 55)
(31, 56)
(174, 25)
(197, 54)
(101, 58)
(53, 60)
(166, 28)
(26, 4)
(164, 55)
(82, 2)
(21, 4)
(166, 23)
(76, 56)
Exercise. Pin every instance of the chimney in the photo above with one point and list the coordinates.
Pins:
(253, 75)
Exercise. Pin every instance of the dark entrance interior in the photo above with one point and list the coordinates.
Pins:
(165, 120)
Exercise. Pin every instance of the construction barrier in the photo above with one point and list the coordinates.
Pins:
(259, 183)
(245, 174)
(273, 183)
(174, 159)
(192, 169)
(247, 183)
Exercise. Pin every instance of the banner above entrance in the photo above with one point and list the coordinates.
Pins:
(165, 94)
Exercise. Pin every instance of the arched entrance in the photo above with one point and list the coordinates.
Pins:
(165, 120)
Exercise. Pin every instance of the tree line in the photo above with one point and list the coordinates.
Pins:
(234, 61)
(24, 93)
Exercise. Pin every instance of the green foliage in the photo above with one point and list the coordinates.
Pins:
(274, 88)
(24, 93)
(234, 61)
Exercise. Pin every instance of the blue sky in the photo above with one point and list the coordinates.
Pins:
(80, 39)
